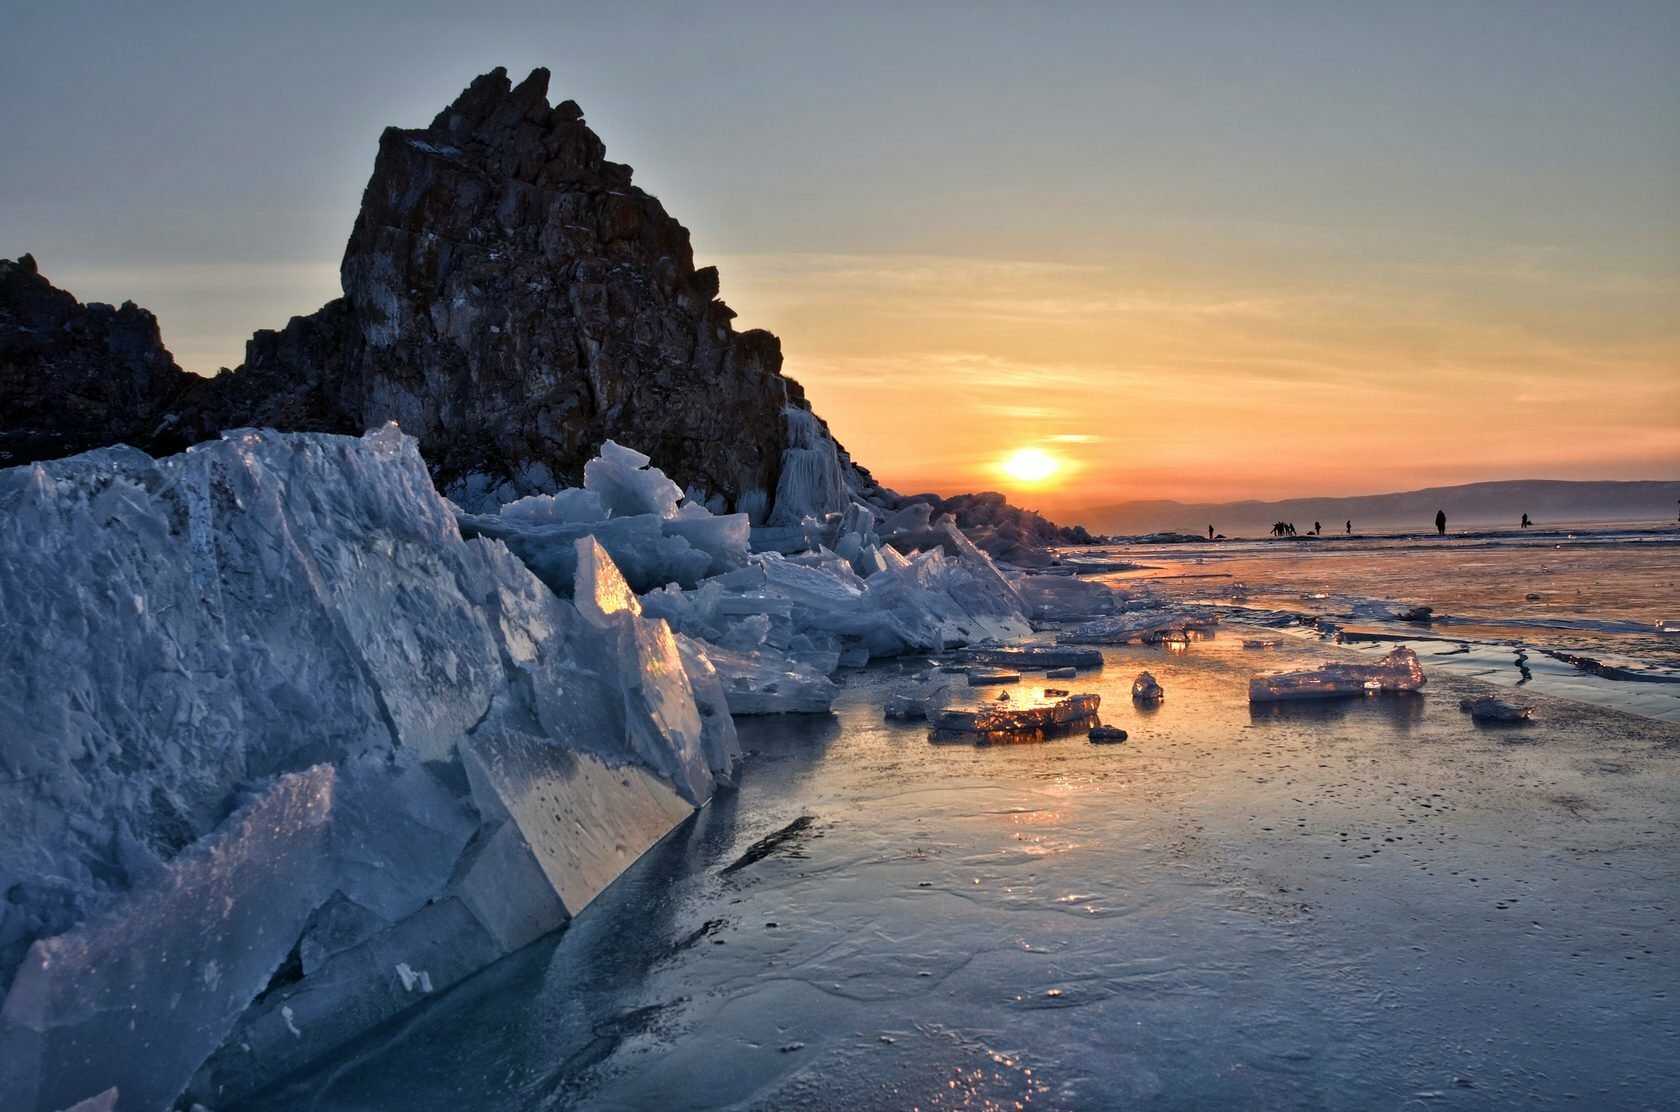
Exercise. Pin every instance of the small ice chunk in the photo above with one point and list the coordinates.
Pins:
(1107, 735)
(1146, 690)
(1034, 656)
(414, 978)
(1398, 671)
(984, 677)
(1142, 629)
(1489, 709)
(1019, 721)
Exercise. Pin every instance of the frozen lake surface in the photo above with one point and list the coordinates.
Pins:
(1366, 903)
(1580, 614)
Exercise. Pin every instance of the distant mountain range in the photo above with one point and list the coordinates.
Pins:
(1547, 502)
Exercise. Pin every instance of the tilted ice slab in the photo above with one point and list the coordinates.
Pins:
(269, 725)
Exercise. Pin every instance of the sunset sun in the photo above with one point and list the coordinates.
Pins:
(1030, 465)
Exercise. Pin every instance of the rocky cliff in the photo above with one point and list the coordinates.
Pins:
(74, 376)
(511, 299)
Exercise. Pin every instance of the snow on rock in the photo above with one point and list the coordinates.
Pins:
(271, 731)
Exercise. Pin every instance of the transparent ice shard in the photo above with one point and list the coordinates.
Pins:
(1398, 671)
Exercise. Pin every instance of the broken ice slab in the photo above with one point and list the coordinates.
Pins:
(1261, 643)
(1398, 671)
(623, 480)
(982, 677)
(1021, 657)
(1107, 735)
(1061, 673)
(1143, 629)
(770, 682)
(1489, 709)
(137, 997)
(923, 701)
(1062, 598)
(1018, 720)
(1146, 690)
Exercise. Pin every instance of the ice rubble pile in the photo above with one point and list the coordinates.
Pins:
(775, 609)
(280, 753)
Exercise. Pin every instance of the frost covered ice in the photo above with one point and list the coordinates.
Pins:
(1398, 671)
(274, 733)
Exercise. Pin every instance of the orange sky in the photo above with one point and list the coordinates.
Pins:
(1149, 378)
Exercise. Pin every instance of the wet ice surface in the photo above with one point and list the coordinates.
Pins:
(1599, 597)
(1371, 902)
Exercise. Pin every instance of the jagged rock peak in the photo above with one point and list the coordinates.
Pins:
(513, 301)
(75, 376)
(536, 143)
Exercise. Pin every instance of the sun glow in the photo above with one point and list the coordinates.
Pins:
(1030, 465)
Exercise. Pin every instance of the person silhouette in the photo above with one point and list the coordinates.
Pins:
(1350, 526)
(1441, 522)
(1318, 528)
(1526, 523)
(1210, 532)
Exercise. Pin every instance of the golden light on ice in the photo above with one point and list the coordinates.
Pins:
(1030, 465)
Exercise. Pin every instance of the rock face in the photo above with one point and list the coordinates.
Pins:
(510, 299)
(74, 376)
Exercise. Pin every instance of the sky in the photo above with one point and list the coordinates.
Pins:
(1188, 250)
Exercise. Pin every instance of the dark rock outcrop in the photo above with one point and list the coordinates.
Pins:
(512, 300)
(74, 376)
